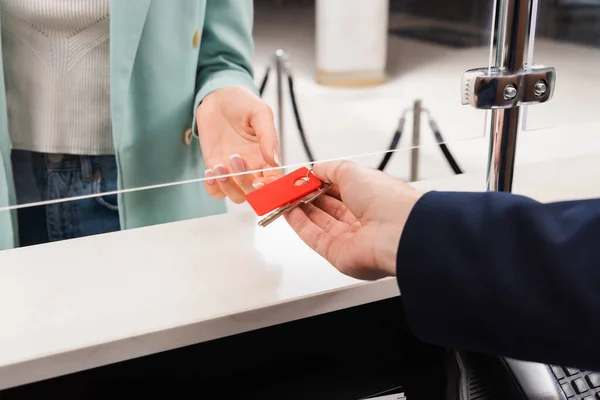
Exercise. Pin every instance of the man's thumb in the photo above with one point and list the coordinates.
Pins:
(336, 172)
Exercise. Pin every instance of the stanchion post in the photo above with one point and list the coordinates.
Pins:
(280, 66)
(416, 141)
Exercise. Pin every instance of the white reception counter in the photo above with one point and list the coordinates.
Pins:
(84, 303)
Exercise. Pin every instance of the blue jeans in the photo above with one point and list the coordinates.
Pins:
(43, 177)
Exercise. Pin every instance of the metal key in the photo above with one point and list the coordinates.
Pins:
(309, 198)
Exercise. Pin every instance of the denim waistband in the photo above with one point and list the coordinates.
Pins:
(30, 171)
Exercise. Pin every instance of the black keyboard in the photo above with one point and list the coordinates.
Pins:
(578, 385)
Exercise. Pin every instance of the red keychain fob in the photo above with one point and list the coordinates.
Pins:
(283, 191)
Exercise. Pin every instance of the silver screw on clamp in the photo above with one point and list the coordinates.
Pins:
(510, 92)
(540, 88)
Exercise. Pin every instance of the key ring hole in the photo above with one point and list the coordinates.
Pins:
(301, 181)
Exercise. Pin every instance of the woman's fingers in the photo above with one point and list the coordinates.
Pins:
(237, 186)
(262, 181)
(211, 185)
(239, 166)
(272, 173)
(243, 182)
(262, 121)
(228, 185)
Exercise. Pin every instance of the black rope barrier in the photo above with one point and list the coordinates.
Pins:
(393, 144)
(303, 137)
(265, 79)
(442, 144)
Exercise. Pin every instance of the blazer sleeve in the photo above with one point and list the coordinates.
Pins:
(504, 275)
(226, 48)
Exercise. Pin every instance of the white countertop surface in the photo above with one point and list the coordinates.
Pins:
(83, 303)
(79, 304)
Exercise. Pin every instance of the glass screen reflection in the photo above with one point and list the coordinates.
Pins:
(118, 115)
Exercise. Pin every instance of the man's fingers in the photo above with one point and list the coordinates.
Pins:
(326, 244)
(324, 220)
(310, 233)
(263, 123)
(336, 209)
(334, 191)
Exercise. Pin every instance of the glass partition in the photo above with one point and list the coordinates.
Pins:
(429, 47)
(159, 169)
(567, 37)
(55, 220)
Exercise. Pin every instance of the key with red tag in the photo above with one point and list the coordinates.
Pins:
(285, 194)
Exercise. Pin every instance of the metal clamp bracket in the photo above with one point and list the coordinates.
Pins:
(491, 88)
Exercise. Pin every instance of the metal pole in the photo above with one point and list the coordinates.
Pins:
(416, 141)
(280, 65)
(512, 30)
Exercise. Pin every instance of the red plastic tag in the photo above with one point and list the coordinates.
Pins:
(283, 191)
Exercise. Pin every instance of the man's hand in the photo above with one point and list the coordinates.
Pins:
(357, 225)
(237, 134)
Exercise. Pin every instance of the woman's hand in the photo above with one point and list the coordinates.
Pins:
(357, 225)
(237, 134)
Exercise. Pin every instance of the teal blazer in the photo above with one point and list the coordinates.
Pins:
(165, 57)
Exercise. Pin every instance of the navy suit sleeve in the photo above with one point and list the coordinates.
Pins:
(505, 275)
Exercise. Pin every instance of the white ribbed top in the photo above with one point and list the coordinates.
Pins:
(56, 65)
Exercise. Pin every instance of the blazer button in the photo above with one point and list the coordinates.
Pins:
(196, 40)
(188, 136)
